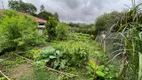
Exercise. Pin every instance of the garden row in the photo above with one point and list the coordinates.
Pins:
(74, 53)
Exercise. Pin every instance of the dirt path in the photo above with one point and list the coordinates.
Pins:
(24, 69)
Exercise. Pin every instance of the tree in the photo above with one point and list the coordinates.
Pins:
(42, 8)
(45, 15)
(56, 16)
(62, 31)
(22, 6)
(106, 21)
(51, 26)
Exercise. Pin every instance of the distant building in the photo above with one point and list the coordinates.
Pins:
(41, 23)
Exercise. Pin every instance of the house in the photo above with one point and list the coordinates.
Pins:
(41, 24)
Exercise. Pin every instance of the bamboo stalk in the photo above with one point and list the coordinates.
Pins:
(123, 61)
(4, 75)
(140, 67)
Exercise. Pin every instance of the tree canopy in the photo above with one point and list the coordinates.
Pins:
(106, 21)
(22, 6)
(45, 15)
(42, 8)
(56, 16)
(51, 26)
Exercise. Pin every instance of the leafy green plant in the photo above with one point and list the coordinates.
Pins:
(62, 31)
(62, 77)
(33, 54)
(66, 54)
(95, 70)
(53, 58)
(3, 78)
(79, 37)
(77, 52)
(101, 72)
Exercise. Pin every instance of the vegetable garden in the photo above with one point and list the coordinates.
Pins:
(61, 54)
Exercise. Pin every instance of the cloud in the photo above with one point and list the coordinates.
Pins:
(85, 11)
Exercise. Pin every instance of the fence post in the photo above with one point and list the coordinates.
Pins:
(104, 42)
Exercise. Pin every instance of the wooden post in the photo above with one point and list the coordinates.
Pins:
(4, 75)
(104, 42)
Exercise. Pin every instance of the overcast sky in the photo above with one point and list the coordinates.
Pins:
(85, 11)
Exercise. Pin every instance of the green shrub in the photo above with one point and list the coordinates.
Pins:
(33, 54)
(56, 30)
(79, 37)
(62, 31)
(51, 26)
(106, 21)
(81, 28)
(66, 54)
(18, 31)
(76, 52)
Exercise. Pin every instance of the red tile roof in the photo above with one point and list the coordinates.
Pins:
(40, 20)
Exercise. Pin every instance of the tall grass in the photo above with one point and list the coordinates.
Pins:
(129, 39)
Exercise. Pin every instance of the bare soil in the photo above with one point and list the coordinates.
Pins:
(1, 66)
(24, 69)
